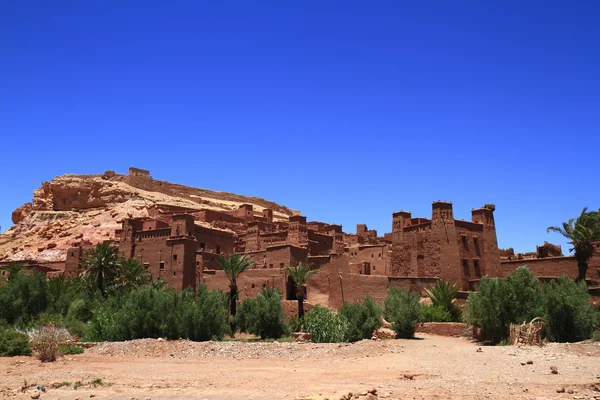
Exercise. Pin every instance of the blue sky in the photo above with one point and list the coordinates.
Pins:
(347, 111)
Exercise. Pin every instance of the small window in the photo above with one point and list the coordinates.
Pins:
(201, 246)
(465, 242)
(72, 254)
(197, 263)
(253, 286)
(371, 255)
(476, 267)
(174, 273)
(270, 265)
(162, 265)
(374, 268)
(218, 249)
(281, 265)
(174, 257)
(476, 245)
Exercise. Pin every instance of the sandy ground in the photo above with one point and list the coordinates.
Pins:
(429, 367)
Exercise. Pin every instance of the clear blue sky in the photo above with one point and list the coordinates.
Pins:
(344, 110)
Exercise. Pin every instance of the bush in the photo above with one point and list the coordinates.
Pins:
(363, 318)
(401, 308)
(14, 343)
(46, 342)
(442, 295)
(434, 314)
(569, 315)
(23, 297)
(68, 349)
(151, 312)
(500, 302)
(263, 315)
(326, 326)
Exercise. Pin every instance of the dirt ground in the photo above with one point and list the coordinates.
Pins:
(429, 367)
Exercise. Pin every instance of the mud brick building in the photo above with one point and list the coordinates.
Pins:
(182, 246)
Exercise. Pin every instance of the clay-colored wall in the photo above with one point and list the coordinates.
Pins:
(551, 267)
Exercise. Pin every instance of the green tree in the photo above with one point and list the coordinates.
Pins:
(300, 275)
(581, 232)
(233, 266)
(101, 267)
(132, 274)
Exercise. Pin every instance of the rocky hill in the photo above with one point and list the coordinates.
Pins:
(88, 208)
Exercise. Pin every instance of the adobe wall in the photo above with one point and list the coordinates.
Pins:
(553, 267)
(353, 288)
(214, 241)
(378, 257)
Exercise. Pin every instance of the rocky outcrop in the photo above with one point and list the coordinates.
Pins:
(20, 213)
(72, 209)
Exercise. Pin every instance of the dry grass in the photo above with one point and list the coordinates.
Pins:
(527, 334)
(46, 342)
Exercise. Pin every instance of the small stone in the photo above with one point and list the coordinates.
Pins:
(35, 395)
(372, 396)
(560, 390)
(530, 362)
(523, 363)
(479, 350)
(570, 391)
(554, 370)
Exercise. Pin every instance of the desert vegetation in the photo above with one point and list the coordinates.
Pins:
(113, 299)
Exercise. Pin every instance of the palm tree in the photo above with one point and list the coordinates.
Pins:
(133, 274)
(581, 232)
(300, 275)
(101, 266)
(233, 266)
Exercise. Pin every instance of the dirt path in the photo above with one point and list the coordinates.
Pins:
(431, 367)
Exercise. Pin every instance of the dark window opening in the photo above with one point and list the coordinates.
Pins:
(476, 244)
(146, 266)
(218, 249)
(197, 262)
(253, 286)
(174, 257)
(201, 246)
(477, 269)
(174, 273)
(465, 265)
(72, 254)
(465, 242)
(281, 265)
(162, 265)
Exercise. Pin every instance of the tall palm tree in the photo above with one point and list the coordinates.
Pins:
(133, 274)
(581, 232)
(233, 266)
(300, 275)
(101, 266)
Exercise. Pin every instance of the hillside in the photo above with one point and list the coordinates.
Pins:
(88, 208)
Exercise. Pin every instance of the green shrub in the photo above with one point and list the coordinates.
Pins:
(68, 349)
(527, 296)
(434, 314)
(401, 308)
(569, 315)
(442, 295)
(263, 315)
(14, 343)
(363, 318)
(326, 326)
(23, 297)
(151, 312)
(500, 302)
